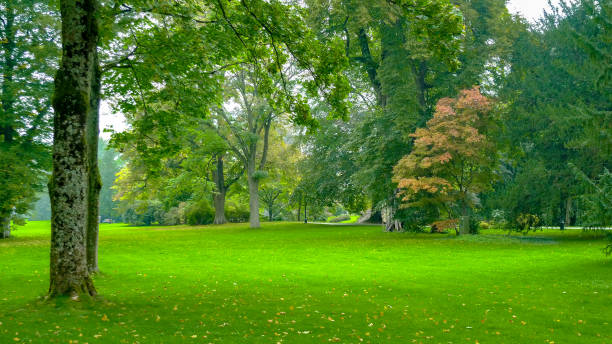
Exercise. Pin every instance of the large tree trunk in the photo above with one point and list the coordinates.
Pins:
(219, 196)
(253, 200)
(68, 188)
(219, 200)
(5, 227)
(95, 181)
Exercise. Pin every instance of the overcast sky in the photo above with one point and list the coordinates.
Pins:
(530, 9)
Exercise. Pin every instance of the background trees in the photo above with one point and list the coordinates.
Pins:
(28, 58)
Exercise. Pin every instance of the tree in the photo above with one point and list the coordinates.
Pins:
(28, 56)
(453, 160)
(269, 195)
(73, 100)
(110, 165)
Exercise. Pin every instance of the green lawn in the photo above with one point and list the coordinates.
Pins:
(296, 283)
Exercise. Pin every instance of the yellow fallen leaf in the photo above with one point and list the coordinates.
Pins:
(104, 318)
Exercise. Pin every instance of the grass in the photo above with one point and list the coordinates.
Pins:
(295, 283)
(352, 219)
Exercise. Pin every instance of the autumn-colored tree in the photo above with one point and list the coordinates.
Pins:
(453, 160)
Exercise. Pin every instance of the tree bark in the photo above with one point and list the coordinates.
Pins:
(5, 227)
(568, 211)
(305, 214)
(299, 212)
(219, 196)
(94, 179)
(253, 200)
(219, 200)
(68, 188)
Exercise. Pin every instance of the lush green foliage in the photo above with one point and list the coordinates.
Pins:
(28, 57)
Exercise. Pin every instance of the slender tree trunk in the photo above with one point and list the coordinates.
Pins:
(305, 214)
(464, 226)
(219, 196)
(270, 212)
(253, 200)
(299, 212)
(568, 211)
(95, 181)
(68, 188)
(5, 227)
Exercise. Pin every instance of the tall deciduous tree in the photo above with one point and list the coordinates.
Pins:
(28, 57)
(453, 159)
(75, 88)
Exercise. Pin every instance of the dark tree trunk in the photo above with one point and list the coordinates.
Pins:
(299, 212)
(568, 211)
(464, 226)
(5, 227)
(95, 181)
(305, 214)
(219, 196)
(68, 188)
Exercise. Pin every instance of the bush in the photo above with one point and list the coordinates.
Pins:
(524, 223)
(200, 213)
(143, 213)
(175, 215)
(236, 212)
(484, 225)
(474, 225)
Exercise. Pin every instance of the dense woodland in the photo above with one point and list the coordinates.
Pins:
(421, 115)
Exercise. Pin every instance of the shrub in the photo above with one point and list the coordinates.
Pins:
(524, 223)
(483, 225)
(200, 213)
(175, 215)
(236, 212)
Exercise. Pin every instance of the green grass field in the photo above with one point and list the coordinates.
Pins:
(296, 283)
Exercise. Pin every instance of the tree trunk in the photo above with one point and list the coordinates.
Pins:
(568, 211)
(219, 196)
(95, 181)
(305, 214)
(68, 188)
(219, 200)
(299, 212)
(5, 227)
(253, 200)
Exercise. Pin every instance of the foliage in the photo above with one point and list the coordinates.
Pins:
(29, 35)
(527, 222)
(200, 213)
(453, 159)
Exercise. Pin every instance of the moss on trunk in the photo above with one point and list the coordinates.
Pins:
(68, 188)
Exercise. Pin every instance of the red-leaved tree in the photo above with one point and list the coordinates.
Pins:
(452, 160)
